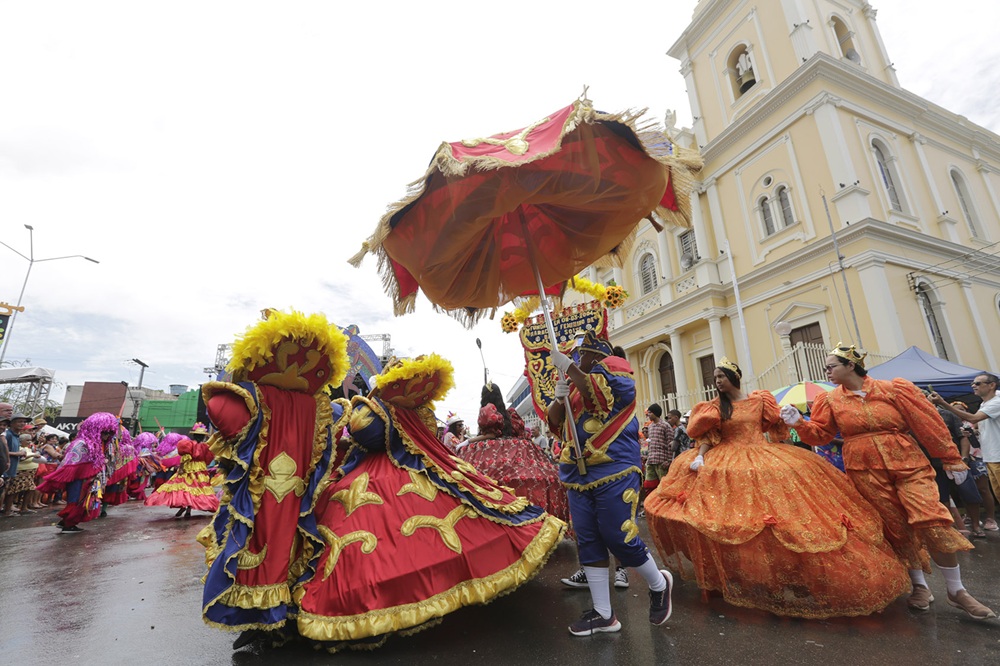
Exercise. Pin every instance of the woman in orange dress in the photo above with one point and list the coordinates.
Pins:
(885, 463)
(768, 525)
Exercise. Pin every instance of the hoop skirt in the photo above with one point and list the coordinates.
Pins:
(771, 526)
(191, 486)
(518, 463)
(411, 534)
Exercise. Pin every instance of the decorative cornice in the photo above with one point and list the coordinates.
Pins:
(932, 118)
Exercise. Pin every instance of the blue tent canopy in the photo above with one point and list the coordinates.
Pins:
(923, 369)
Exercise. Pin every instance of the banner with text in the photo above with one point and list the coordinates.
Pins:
(568, 323)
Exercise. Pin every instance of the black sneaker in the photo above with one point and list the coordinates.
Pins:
(621, 578)
(71, 530)
(591, 622)
(577, 580)
(660, 607)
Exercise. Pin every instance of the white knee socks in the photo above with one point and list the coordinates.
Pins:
(651, 573)
(600, 591)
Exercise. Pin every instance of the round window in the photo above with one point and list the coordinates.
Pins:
(767, 181)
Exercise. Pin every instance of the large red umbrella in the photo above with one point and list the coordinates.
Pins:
(521, 212)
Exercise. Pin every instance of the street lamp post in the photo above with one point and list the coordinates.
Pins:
(30, 257)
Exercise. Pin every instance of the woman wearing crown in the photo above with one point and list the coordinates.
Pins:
(277, 430)
(410, 531)
(881, 423)
(768, 525)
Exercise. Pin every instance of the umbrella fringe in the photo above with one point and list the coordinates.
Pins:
(682, 162)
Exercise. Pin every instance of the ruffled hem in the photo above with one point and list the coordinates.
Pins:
(412, 616)
(181, 499)
(65, 474)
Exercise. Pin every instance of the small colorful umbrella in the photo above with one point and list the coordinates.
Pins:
(521, 212)
(802, 394)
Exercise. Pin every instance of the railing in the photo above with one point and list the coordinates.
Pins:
(806, 362)
(685, 401)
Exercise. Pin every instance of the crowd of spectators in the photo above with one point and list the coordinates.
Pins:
(27, 452)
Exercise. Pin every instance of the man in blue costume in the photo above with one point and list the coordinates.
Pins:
(604, 500)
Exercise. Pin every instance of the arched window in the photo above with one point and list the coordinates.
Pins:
(668, 383)
(845, 40)
(887, 172)
(785, 203)
(965, 201)
(741, 70)
(932, 310)
(766, 217)
(647, 273)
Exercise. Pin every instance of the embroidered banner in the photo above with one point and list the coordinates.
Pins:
(568, 323)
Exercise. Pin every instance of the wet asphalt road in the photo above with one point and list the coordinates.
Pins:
(127, 591)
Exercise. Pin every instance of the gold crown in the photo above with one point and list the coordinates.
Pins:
(852, 354)
(729, 365)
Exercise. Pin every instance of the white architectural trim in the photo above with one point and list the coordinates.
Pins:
(977, 322)
(878, 297)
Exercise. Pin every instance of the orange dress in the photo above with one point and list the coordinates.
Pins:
(887, 466)
(770, 526)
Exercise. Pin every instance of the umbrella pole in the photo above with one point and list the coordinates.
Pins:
(581, 465)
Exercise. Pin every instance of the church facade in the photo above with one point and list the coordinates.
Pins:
(833, 206)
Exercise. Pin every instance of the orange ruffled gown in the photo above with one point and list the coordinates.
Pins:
(771, 526)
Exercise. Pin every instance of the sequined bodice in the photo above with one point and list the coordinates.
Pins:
(745, 425)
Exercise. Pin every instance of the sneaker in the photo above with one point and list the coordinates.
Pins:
(577, 580)
(967, 602)
(920, 598)
(71, 530)
(991, 525)
(591, 622)
(621, 578)
(660, 606)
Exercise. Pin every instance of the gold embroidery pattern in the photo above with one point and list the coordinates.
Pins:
(444, 526)
(421, 485)
(283, 477)
(629, 527)
(337, 544)
(247, 560)
(361, 418)
(357, 495)
(494, 494)
(290, 377)
(515, 145)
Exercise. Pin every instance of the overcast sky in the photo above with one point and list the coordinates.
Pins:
(222, 157)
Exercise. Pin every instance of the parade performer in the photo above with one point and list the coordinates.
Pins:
(768, 525)
(502, 452)
(145, 449)
(604, 501)
(875, 418)
(191, 487)
(412, 532)
(276, 431)
(122, 462)
(83, 462)
(168, 458)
